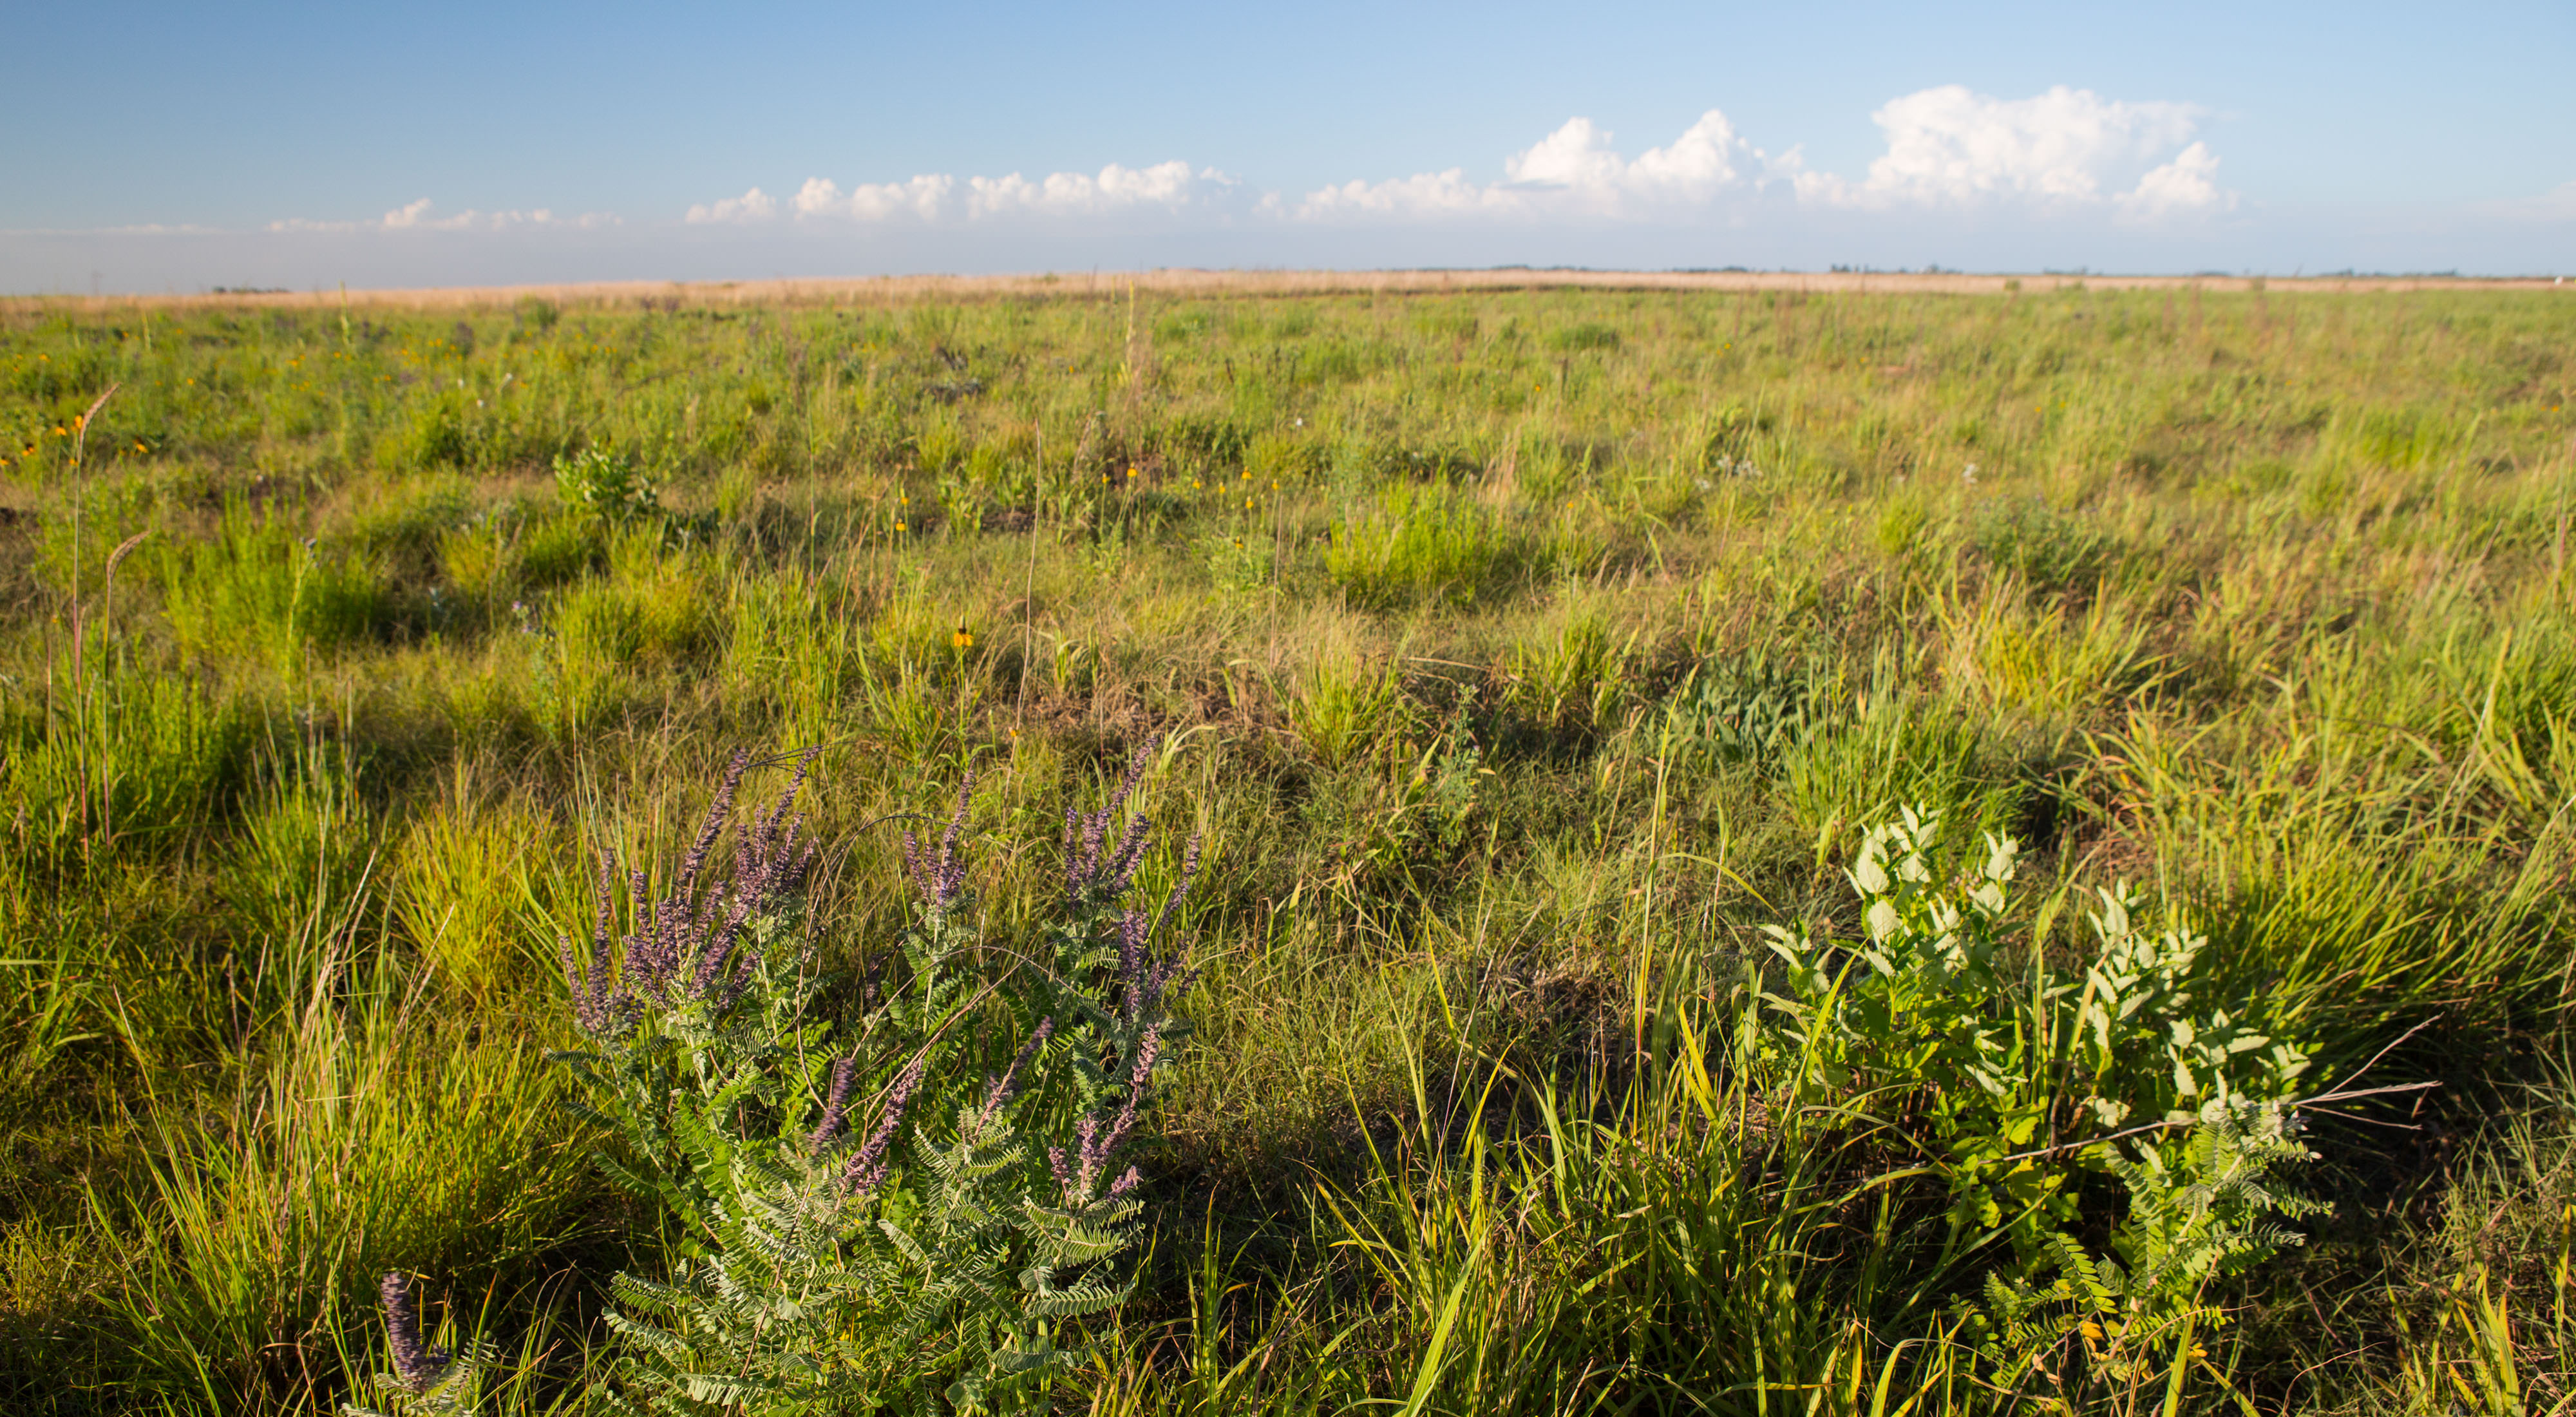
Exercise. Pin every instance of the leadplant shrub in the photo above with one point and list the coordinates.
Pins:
(870, 1217)
(2017, 1084)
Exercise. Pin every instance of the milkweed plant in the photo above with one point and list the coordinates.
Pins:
(2017, 1083)
(868, 1218)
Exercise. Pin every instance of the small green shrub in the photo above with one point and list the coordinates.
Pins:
(536, 313)
(1343, 711)
(902, 1224)
(555, 549)
(1567, 687)
(2009, 1078)
(1897, 747)
(356, 1145)
(607, 484)
(143, 760)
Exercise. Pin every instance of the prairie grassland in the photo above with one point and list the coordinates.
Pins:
(1517, 655)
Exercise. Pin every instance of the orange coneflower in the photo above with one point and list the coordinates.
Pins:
(962, 638)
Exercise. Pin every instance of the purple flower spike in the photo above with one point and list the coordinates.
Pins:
(868, 1169)
(837, 1105)
(688, 945)
(1088, 878)
(418, 1365)
(1008, 1084)
(940, 878)
(1099, 1139)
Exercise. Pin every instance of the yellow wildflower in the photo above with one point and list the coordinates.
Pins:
(962, 639)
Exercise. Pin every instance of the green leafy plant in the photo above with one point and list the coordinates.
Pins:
(608, 484)
(1748, 708)
(941, 1258)
(2010, 1078)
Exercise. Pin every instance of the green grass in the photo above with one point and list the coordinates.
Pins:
(1519, 654)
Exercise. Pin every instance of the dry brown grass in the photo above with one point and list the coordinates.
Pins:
(890, 290)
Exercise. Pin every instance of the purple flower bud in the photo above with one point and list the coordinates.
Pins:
(835, 1106)
(1009, 1082)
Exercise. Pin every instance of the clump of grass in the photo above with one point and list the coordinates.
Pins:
(479, 884)
(361, 1145)
(1425, 543)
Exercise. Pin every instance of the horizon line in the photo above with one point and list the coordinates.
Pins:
(1273, 281)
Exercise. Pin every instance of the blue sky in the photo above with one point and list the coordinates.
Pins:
(160, 147)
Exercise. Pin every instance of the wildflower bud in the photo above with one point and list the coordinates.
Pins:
(837, 1105)
(1009, 1082)
(418, 1365)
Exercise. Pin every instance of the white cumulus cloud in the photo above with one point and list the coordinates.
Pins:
(2187, 184)
(1574, 171)
(938, 197)
(754, 205)
(417, 216)
(1952, 147)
